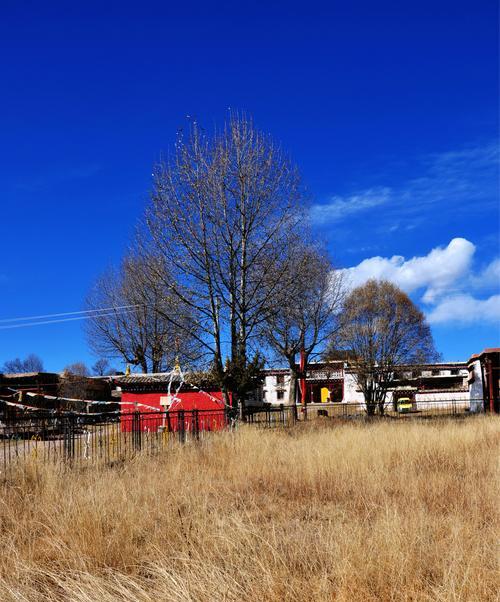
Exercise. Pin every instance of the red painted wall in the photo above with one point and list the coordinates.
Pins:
(211, 415)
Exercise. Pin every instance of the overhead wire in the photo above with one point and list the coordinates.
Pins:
(24, 322)
(109, 311)
(68, 313)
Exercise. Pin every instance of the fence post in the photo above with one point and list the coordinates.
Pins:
(136, 430)
(229, 418)
(196, 426)
(69, 437)
(181, 426)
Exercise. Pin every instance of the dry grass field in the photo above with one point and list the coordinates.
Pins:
(384, 511)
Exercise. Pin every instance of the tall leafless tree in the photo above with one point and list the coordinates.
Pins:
(224, 210)
(131, 318)
(382, 328)
(308, 316)
(77, 369)
(101, 367)
(32, 363)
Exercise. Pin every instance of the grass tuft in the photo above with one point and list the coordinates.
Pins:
(358, 512)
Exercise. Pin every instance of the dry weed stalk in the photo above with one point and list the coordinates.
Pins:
(358, 512)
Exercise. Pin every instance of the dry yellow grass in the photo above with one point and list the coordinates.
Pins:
(405, 511)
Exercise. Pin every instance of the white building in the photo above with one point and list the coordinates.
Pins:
(471, 385)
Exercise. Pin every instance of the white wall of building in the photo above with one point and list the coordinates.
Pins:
(272, 390)
(276, 388)
(476, 387)
(351, 393)
(427, 400)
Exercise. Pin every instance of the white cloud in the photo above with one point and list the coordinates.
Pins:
(489, 277)
(465, 309)
(444, 277)
(455, 179)
(338, 207)
(437, 272)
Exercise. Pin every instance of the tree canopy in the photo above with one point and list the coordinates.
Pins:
(224, 210)
(308, 314)
(31, 363)
(137, 319)
(382, 328)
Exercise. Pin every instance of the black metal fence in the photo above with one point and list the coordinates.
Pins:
(102, 439)
(107, 438)
(273, 416)
(286, 415)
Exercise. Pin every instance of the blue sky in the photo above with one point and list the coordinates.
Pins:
(390, 110)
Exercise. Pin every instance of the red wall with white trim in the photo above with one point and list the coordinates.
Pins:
(211, 414)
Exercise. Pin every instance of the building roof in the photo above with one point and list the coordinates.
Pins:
(336, 364)
(148, 379)
(159, 382)
(487, 351)
(333, 365)
(29, 379)
(29, 375)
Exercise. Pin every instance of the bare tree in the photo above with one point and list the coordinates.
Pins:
(32, 363)
(131, 319)
(101, 367)
(76, 384)
(308, 315)
(222, 214)
(77, 369)
(381, 327)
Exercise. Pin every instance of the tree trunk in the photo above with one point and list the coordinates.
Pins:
(371, 404)
(292, 392)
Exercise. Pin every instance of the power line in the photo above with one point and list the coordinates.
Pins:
(86, 317)
(67, 313)
(85, 314)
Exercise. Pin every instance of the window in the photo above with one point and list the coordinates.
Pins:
(280, 395)
(280, 380)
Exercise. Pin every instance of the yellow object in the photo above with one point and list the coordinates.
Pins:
(127, 370)
(325, 394)
(164, 437)
(404, 405)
